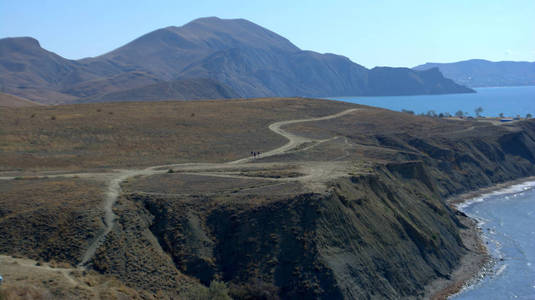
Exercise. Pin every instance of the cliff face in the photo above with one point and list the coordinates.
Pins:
(355, 211)
(384, 234)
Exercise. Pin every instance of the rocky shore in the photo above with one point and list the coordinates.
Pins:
(477, 263)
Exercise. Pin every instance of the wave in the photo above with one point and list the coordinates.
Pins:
(500, 270)
(512, 190)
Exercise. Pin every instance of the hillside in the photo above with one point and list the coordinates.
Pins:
(345, 201)
(184, 89)
(8, 100)
(482, 73)
(29, 71)
(115, 83)
(248, 59)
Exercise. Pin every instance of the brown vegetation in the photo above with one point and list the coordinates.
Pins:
(8, 100)
(49, 218)
(355, 211)
(141, 134)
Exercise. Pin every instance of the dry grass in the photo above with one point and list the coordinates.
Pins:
(380, 121)
(24, 292)
(187, 184)
(49, 218)
(29, 280)
(8, 100)
(138, 134)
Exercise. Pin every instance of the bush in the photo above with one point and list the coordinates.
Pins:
(257, 290)
(217, 291)
(24, 292)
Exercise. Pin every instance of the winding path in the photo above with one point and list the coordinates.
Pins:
(115, 179)
(293, 140)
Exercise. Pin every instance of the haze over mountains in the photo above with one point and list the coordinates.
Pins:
(206, 58)
(484, 73)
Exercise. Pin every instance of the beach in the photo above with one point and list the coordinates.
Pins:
(477, 262)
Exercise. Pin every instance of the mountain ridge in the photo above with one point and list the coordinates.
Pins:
(485, 73)
(250, 60)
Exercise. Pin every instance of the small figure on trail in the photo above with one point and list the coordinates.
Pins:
(254, 154)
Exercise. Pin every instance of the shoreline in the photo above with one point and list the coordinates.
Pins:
(473, 263)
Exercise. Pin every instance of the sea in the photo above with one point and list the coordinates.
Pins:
(507, 222)
(511, 101)
(506, 217)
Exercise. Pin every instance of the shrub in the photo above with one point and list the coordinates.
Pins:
(410, 112)
(24, 292)
(257, 290)
(478, 111)
(217, 291)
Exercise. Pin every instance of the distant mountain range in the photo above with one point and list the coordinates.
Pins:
(206, 58)
(481, 73)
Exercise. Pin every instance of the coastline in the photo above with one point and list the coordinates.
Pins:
(473, 263)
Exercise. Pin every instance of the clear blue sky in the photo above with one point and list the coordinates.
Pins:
(370, 32)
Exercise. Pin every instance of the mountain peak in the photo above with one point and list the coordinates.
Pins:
(247, 58)
(18, 44)
(233, 33)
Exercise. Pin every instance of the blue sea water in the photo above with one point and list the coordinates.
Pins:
(511, 101)
(507, 220)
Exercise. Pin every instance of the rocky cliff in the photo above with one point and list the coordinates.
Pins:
(381, 234)
(357, 210)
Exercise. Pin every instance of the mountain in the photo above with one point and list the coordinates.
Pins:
(167, 51)
(32, 72)
(184, 89)
(114, 83)
(402, 81)
(7, 100)
(481, 73)
(245, 58)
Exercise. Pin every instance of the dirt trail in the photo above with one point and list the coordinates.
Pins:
(32, 264)
(315, 172)
(293, 140)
